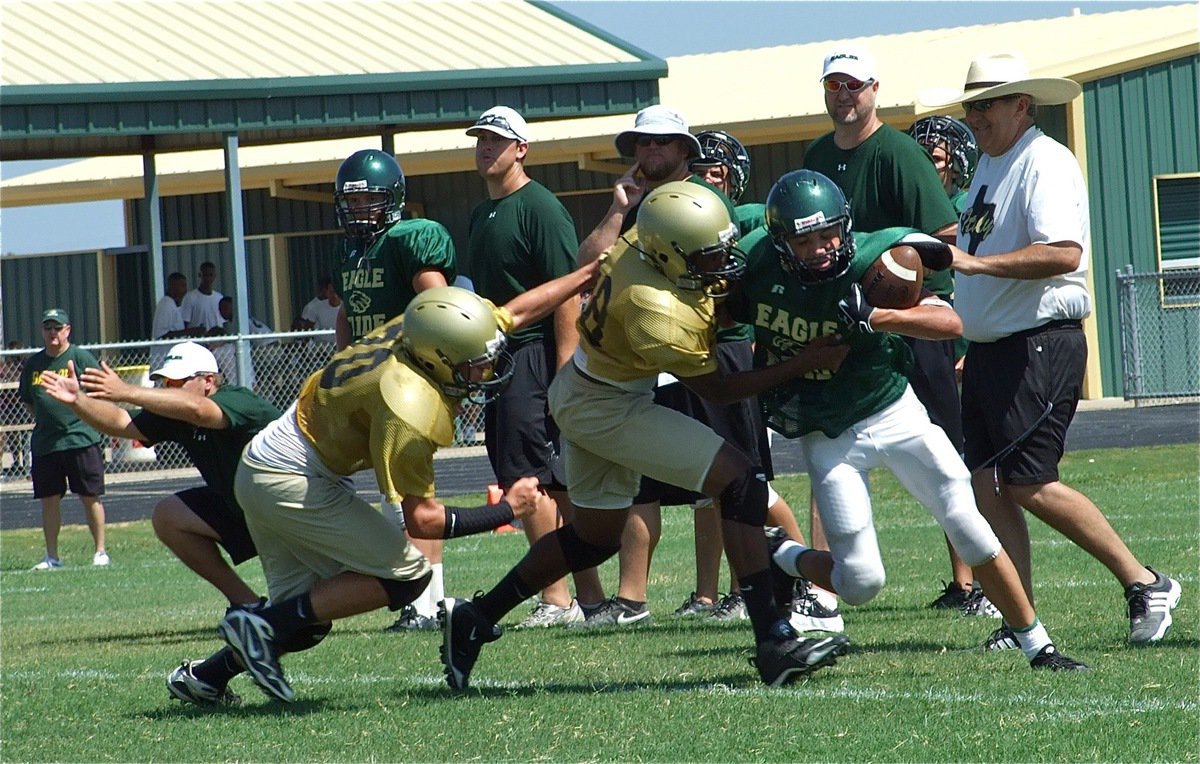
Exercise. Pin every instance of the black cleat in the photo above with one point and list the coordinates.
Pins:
(783, 657)
(464, 633)
(1051, 659)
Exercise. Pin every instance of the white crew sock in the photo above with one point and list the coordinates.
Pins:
(788, 555)
(1032, 638)
(426, 603)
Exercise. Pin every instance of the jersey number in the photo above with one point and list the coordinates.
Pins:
(597, 312)
(359, 358)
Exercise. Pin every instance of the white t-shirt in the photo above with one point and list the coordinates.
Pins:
(167, 318)
(1033, 193)
(199, 309)
(322, 314)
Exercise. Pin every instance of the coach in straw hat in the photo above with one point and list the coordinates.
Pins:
(1022, 260)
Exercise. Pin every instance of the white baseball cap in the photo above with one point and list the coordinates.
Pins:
(186, 360)
(851, 60)
(657, 120)
(502, 121)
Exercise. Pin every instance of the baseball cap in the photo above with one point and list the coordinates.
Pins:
(852, 60)
(57, 316)
(657, 120)
(187, 359)
(502, 121)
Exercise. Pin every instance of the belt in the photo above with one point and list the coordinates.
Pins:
(1058, 325)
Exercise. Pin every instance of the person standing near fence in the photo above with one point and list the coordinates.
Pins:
(201, 306)
(381, 265)
(66, 450)
(1021, 290)
(212, 422)
(522, 236)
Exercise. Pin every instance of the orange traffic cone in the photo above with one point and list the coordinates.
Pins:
(494, 495)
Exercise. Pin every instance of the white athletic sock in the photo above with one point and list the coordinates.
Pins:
(787, 555)
(437, 584)
(1032, 638)
(425, 603)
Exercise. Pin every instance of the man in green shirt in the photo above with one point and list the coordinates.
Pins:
(889, 182)
(212, 422)
(522, 236)
(66, 451)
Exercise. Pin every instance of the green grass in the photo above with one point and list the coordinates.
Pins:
(84, 653)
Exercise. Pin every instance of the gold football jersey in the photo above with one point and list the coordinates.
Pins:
(368, 409)
(637, 323)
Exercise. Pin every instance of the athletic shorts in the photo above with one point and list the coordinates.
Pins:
(932, 379)
(612, 436)
(1007, 385)
(80, 468)
(520, 435)
(310, 528)
(740, 424)
(228, 522)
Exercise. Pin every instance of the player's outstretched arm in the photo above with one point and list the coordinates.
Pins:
(627, 193)
(427, 518)
(825, 353)
(534, 305)
(173, 403)
(101, 415)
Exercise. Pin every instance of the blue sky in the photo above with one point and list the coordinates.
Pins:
(697, 27)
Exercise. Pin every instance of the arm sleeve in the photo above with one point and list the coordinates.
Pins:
(432, 247)
(1055, 199)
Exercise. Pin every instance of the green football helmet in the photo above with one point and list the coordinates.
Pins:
(450, 336)
(685, 233)
(803, 201)
(373, 172)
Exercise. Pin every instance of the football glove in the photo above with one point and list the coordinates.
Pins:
(854, 310)
(935, 254)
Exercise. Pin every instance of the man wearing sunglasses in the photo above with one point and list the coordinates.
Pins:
(889, 181)
(1022, 260)
(212, 422)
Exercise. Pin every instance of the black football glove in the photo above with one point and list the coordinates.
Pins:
(854, 310)
(935, 255)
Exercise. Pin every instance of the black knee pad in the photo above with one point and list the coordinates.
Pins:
(303, 640)
(401, 593)
(744, 500)
(580, 554)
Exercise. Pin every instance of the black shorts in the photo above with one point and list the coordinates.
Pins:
(228, 522)
(520, 435)
(80, 468)
(932, 379)
(1007, 385)
(740, 424)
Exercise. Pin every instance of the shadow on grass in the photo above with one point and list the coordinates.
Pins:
(145, 638)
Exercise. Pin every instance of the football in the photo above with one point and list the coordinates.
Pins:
(894, 280)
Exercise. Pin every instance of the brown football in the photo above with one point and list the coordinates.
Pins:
(894, 280)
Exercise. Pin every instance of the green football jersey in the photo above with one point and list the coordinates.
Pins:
(376, 286)
(787, 314)
(55, 426)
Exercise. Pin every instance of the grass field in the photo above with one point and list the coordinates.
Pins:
(84, 653)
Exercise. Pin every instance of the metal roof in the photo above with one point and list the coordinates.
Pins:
(766, 95)
(98, 76)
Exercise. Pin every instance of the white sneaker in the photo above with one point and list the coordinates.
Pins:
(48, 563)
(100, 559)
(545, 615)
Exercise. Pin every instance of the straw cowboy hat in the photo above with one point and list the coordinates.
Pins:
(1004, 74)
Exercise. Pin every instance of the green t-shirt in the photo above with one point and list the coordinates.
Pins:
(55, 426)
(518, 242)
(377, 287)
(888, 180)
(215, 453)
(749, 216)
(787, 314)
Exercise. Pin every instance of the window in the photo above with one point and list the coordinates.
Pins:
(1177, 237)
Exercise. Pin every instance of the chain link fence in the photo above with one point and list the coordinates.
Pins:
(275, 368)
(1160, 333)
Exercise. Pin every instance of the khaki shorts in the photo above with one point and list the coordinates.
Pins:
(308, 529)
(611, 437)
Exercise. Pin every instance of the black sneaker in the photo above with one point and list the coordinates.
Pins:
(1050, 658)
(977, 604)
(1002, 638)
(252, 607)
(808, 614)
(953, 597)
(411, 620)
(1150, 608)
(731, 608)
(464, 633)
(694, 606)
(253, 643)
(783, 657)
(614, 613)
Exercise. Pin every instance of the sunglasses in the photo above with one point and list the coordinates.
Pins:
(657, 140)
(986, 104)
(854, 86)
